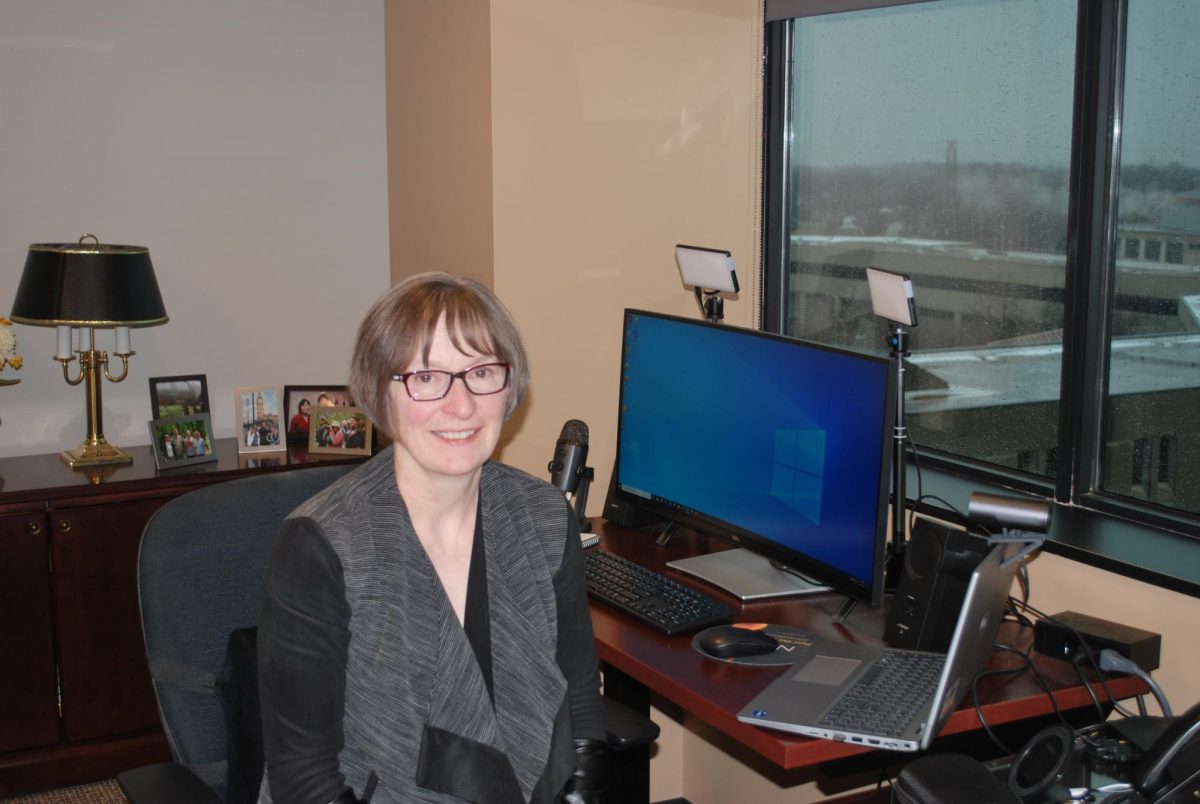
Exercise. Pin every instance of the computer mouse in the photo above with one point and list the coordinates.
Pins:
(735, 641)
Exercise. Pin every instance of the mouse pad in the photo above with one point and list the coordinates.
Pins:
(793, 643)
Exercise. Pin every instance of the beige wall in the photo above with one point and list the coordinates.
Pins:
(439, 127)
(619, 130)
(616, 131)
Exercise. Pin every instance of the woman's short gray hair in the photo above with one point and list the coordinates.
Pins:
(400, 326)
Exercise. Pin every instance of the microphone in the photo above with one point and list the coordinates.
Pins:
(570, 455)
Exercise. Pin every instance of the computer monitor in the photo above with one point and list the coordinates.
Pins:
(778, 445)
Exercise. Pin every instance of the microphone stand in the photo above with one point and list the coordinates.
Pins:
(580, 498)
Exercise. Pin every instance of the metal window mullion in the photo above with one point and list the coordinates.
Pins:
(776, 159)
(1090, 255)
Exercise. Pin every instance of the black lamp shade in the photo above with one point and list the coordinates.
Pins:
(88, 285)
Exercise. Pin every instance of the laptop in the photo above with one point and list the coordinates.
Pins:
(827, 693)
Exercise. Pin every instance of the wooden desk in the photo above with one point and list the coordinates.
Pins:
(646, 661)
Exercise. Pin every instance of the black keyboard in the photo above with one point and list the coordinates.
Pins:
(660, 602)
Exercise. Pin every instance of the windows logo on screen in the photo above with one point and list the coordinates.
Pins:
(799, 471)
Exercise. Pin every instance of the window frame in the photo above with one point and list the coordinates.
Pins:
(1092, 246)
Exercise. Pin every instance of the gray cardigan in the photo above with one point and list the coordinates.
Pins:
(364, 666)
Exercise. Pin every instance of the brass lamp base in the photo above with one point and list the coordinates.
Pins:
(99, 454)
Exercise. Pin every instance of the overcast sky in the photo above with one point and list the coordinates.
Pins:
(995, 76)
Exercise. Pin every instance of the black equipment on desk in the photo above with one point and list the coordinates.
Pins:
(938, 563)
(569, 472)
(1142, 760)
(570, 456)
(660, 602)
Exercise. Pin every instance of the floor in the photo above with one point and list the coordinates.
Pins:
(109, 793)
(101, 793)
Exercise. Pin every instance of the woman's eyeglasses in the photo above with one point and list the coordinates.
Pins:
(430, 385)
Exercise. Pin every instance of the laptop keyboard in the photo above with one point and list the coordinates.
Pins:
(888, 696)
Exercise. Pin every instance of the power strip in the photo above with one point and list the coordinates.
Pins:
(1059, 636)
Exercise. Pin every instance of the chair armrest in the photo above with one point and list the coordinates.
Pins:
(165, 783)
(627, 728)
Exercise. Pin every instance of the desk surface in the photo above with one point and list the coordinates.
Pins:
(715, 691)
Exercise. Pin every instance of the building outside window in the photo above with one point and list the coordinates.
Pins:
(940, 140)
(1155, 343)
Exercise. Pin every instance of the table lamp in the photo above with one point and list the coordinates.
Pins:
(79, 288)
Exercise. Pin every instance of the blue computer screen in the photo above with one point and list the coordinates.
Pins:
(770, 438)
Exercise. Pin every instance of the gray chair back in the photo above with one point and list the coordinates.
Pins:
(201, 568)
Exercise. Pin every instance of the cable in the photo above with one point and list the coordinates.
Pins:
(1086, 652)
(1082, 733)
(963, 519)
(1075, 659)
(1015, 614)
(912, 512)
(979, 709)
(1112, 661)
(779, 565)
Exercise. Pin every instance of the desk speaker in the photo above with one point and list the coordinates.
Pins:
(938, 562)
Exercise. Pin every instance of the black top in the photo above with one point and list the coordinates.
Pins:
(476, 619)
(318, 781)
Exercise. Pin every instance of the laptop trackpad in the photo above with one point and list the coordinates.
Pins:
(832, 670)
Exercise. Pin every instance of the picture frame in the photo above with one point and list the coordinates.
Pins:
(348, 426)
(178, 395)
(182, 440)
(259, 412)
(294, 397)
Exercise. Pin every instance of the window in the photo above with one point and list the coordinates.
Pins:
(967, 144)
(1153, 381)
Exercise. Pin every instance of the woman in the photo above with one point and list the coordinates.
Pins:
(299, 423)
(425, 618)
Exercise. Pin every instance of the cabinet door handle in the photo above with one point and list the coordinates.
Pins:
(33, 528)
(64, 525)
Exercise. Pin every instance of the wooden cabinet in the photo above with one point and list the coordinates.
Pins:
(94, 552)
(76, 702)
(28, 688)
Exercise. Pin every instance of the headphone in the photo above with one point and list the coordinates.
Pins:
(1051, 758)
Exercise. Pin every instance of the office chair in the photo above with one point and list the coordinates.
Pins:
(201, 569)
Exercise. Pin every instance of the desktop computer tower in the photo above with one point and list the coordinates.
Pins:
(938, 562)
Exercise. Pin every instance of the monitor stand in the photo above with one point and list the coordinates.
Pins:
(746, 575)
